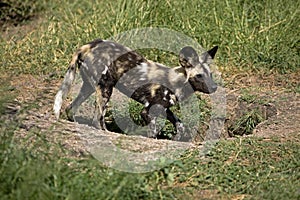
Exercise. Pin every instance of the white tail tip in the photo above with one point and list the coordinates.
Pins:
(57, 103)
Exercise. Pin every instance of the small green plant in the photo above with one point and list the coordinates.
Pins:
(248, 97)
(8, 93)
(128, 114)
(246, 123)
(135, 109)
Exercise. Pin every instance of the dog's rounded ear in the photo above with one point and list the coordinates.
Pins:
(188, 57)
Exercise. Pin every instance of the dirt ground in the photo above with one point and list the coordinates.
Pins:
(281, 120)
(282, 112)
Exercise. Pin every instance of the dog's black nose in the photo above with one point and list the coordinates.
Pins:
(214, 88)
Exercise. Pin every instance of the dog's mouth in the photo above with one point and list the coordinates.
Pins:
(205, 86)
(207, 89)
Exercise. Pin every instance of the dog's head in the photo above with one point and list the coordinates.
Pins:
(196, 68)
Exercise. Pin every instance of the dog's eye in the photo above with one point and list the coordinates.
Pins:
(199, 76)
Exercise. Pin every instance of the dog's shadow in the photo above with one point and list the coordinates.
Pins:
(113, 127)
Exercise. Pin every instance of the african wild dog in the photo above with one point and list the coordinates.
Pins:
(105, 64)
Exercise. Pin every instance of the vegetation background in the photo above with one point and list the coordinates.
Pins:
(255, 37)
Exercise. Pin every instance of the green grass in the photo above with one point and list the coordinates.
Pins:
(252, 35)
(262, 170)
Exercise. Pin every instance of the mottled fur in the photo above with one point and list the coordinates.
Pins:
(104, 65)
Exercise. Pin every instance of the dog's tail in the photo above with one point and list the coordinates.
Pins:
(69, 79)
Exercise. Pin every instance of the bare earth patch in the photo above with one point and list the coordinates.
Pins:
(286, 123)
(37, 95)
(279, 100)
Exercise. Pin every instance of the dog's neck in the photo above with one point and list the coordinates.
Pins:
(173, 78)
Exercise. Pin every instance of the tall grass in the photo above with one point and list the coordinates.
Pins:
(251, 34)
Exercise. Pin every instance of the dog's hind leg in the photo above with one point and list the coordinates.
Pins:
(103, 95)
(86, 90)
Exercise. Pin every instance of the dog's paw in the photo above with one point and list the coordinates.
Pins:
(70, 115)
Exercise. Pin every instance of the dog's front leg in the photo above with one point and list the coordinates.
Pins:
(153, 128)
(181, 134)
(151, 122)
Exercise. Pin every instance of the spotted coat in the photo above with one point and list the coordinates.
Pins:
(105, 65)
